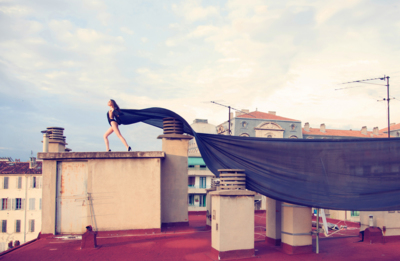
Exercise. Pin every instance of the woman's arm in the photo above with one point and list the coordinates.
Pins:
(110, 114)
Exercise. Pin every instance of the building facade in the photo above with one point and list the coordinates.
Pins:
(21, 202)
(199, 176)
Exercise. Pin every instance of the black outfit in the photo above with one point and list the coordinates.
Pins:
(115, 117)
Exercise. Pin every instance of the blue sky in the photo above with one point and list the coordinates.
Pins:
(60, 62)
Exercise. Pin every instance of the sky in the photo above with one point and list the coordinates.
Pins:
(61, 61)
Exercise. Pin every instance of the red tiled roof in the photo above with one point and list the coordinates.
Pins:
(343, 133)
(263, 115)
(392, 128)
(20, 168)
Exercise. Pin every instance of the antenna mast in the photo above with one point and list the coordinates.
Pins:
(387, 98)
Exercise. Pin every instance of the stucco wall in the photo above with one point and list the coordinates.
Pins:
(125, 189)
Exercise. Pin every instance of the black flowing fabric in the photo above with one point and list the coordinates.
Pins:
(352, 174)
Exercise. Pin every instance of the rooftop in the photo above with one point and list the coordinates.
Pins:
(264, 115)
(343, 133)
(20, 168)
(194, 243)
(392, 128)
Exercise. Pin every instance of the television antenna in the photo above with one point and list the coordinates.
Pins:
(387, 99)
(229, 115)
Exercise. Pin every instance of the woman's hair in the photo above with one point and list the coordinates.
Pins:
(115, 105)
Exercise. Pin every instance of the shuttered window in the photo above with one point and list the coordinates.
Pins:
(4, 226)
(19, 182)
(17, 226)
(31, 204)
(5, 184)
(32, 225)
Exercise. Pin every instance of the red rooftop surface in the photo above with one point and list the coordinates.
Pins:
(263, 115)
(194, 243)
(392, 128)
(343, 133)
(20, 168)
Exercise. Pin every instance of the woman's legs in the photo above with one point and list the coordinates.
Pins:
(114, 126)
(108, 132)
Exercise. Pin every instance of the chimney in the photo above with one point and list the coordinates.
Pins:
(307, 126)
(391, 124)
(32, 162)
(56, 139)
(231, 115)
(375, 131)
(364, 130)
(322, 127)
(238, 113)
(272, 112)
(245, 110)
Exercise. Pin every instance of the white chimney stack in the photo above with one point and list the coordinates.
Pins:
(322, 128)
(307, 126)
(364, 130)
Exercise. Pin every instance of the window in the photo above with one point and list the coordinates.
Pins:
(269, 136)
(191, 182)
(31, 204)
(19, 182)
(17, 226)
(40, 204)
(5, 184)
(203, 182)
(4, 203)
(18, 204)
(191, 199)
(355, 213)
(4, 226)
(34, 182)
(202, 200)
(31, 225)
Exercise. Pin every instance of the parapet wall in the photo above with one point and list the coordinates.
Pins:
(111, 191)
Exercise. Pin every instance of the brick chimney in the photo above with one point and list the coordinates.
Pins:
(272, 112)
(307, 126)
(322, 128)
(375, 131)
(238, 113)
(364, 130)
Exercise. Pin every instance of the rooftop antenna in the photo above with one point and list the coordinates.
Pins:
(384, 99)
(229, 115)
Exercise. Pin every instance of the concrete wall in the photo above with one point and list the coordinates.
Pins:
(174, 179)
(232, 220)
(125, 189)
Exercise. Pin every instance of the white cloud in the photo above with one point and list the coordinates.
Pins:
(126, 30)
(192, 10)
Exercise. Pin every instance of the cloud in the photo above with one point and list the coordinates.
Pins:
(126, 30)
(192, 10)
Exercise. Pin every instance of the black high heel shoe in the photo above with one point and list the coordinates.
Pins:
(129, 149)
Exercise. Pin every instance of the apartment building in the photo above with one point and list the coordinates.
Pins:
(199, 176)
(21, 202)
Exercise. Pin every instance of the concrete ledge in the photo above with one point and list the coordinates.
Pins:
(118, 233)
(233, 254)
(175, 137)
(233, 193)
(293, 250)
(100, 155)
(175, 224)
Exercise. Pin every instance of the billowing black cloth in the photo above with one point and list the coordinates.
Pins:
(353, 174)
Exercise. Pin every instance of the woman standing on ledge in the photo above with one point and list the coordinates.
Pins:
(114, 121)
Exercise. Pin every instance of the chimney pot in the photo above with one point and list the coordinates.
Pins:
(322, 128)
(307, 126)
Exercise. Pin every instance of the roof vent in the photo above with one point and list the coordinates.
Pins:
(232, 179)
